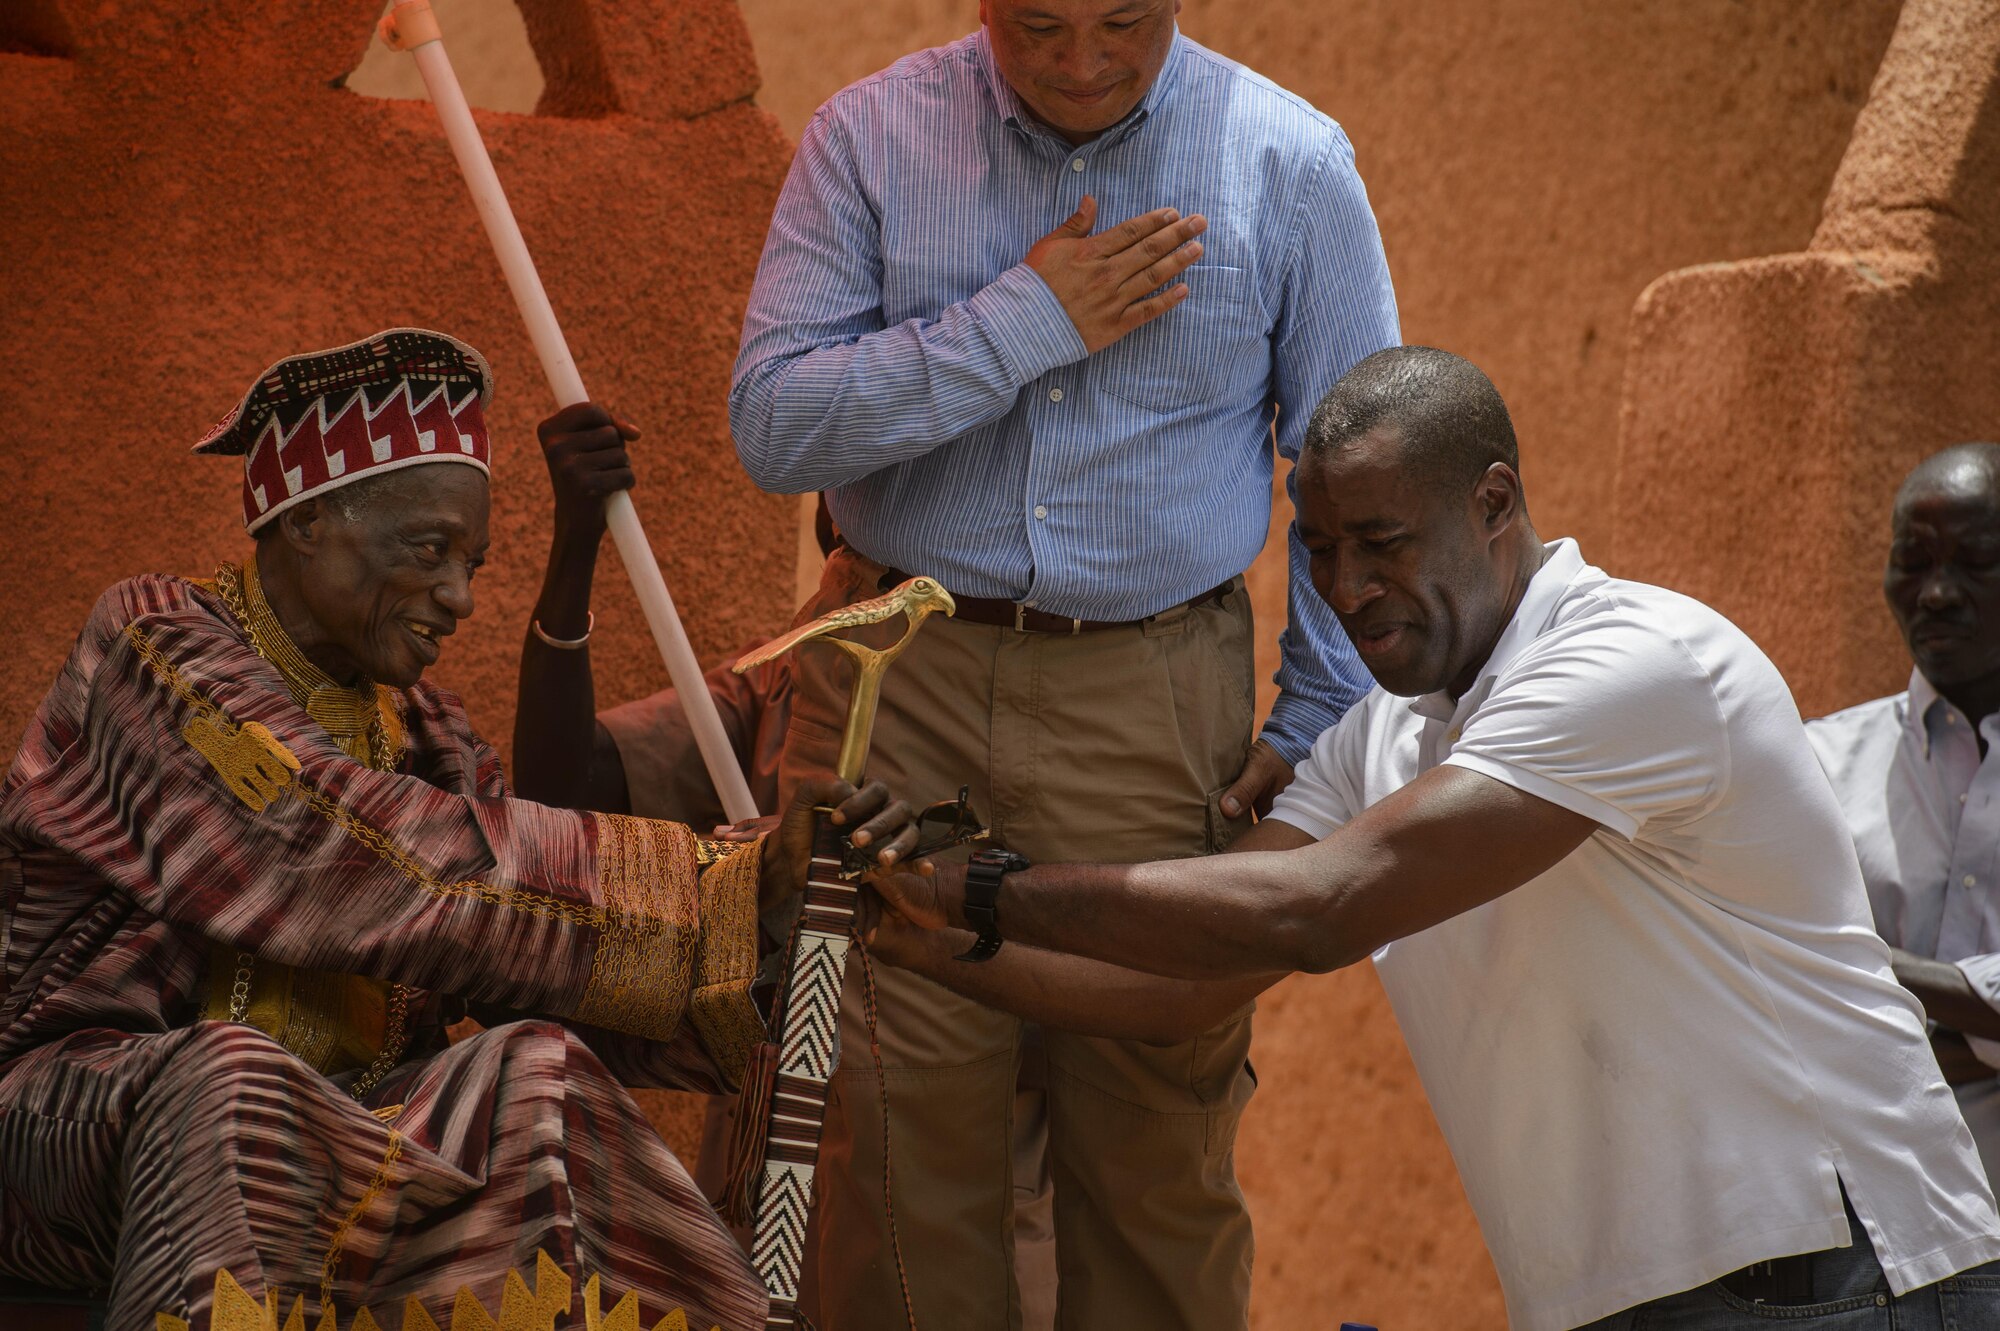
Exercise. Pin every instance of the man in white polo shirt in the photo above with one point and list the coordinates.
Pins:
(1606, 887)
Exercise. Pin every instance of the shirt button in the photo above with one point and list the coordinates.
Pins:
(1042, 512)
(1055, 395)
(1076, 164)
(1968, 880)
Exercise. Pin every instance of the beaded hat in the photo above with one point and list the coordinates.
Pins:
(316, 422)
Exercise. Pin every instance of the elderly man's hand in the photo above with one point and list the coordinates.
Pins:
(885, 829)
(1104, 281)
(584, 446)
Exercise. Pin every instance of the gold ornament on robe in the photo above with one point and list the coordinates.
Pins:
(332, 1022)
(251, 761)
(520, 1309)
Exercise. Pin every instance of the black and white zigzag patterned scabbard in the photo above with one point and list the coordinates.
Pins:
(808, 1052)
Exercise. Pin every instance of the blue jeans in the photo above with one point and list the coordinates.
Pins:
(1850, 1294)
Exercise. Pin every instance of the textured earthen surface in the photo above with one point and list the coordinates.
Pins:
(191, 193)
(1773, 406)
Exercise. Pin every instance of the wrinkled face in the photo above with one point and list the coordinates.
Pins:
(1943, 578)
(1406, 567)
(386, 587)
(1080, 65)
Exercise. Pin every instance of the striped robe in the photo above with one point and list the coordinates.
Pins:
(142, 1148)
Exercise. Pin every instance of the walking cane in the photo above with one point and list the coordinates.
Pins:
(775, 1150)
(411, 27)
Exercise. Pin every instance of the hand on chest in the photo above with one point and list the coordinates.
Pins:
(983, 222)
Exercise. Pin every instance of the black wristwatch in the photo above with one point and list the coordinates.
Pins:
(983, 873)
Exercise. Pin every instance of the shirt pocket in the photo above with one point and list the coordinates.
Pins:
(1194, 352)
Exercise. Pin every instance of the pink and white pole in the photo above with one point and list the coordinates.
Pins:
(411, 27)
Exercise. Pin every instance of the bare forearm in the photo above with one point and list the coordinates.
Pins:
(556, 749)
(1948, 997)
(1449, 841)
(1225, 917)
(1073, 994)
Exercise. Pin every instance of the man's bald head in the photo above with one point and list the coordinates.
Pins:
(1446, 413)
(1963, 469)
(1943, 576)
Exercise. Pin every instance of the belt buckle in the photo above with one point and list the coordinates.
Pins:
(1021, 609)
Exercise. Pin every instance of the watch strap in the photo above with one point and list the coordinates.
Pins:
(983, 873)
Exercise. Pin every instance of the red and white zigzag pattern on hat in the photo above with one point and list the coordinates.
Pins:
(337, 443)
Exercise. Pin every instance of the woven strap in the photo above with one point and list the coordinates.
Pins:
(808, 1021)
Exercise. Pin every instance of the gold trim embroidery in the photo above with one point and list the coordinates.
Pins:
(395, 1039)
(252, 762)
(644, 963)
(384, 848)
(652, 924)
(520, 1308)
(723, 1011)
(324, 1018)
(384, 1177)
(365, 719)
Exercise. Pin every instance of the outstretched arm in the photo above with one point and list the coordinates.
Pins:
(1074, 993)
(1451, 840)
(1069, 993)
(198, 788)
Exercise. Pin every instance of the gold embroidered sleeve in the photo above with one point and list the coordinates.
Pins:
(643, 971)
(724, 1014)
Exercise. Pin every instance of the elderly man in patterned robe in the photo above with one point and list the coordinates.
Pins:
(251, 866)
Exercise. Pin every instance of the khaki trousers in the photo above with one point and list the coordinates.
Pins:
(1109, 746)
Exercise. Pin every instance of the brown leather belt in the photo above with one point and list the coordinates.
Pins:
(1026, 619)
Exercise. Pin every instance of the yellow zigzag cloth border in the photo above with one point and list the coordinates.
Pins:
(520, 1310)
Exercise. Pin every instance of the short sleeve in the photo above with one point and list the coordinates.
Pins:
(1326, 788)
(1608, 717)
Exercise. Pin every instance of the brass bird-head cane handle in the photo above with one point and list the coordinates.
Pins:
(915, 600)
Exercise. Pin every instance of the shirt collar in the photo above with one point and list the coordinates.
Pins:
(1564, 562)
(1930, 713)
(1014, 113)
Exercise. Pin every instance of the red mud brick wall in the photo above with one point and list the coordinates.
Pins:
(1773, 406)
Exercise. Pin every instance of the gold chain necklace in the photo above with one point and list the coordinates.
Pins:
(365, 714)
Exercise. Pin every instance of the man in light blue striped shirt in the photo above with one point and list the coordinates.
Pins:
(1069, 423)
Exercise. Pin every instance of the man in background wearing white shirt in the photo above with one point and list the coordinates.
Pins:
(1918, 777)
(1607, 890)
